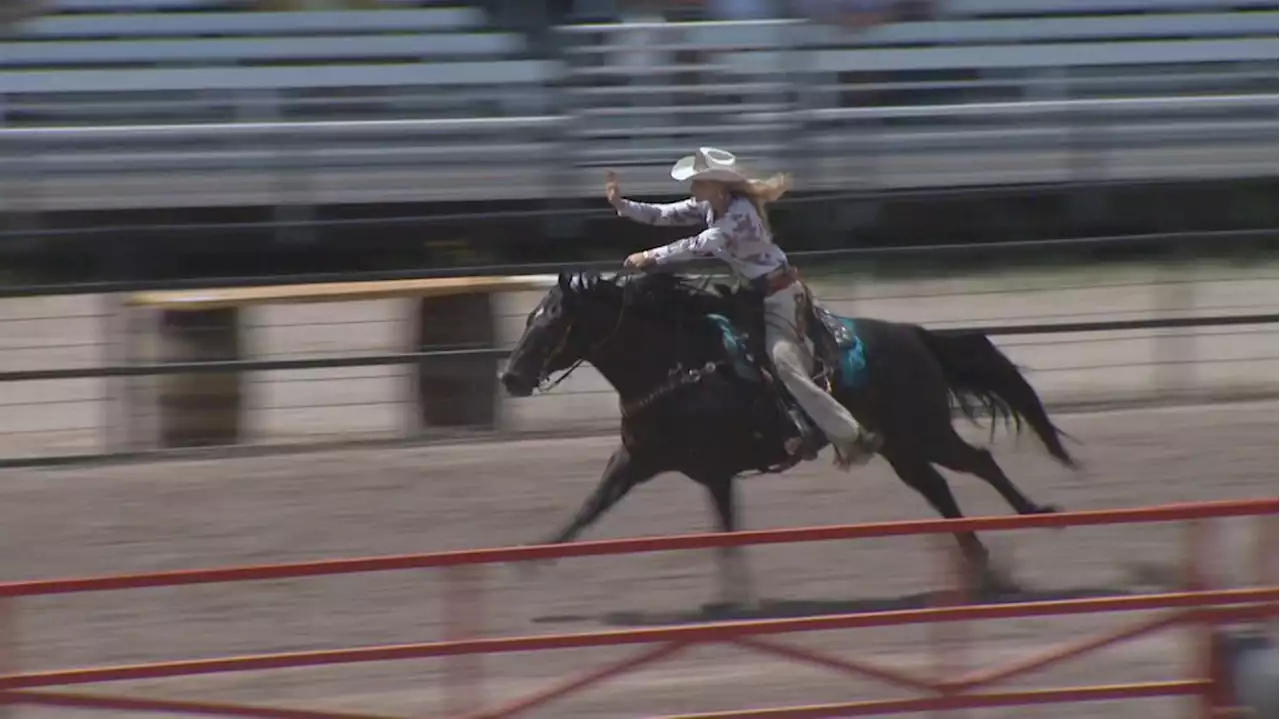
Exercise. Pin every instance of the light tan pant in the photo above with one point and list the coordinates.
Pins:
(794, 362)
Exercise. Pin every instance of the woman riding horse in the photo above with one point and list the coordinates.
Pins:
(731, 206)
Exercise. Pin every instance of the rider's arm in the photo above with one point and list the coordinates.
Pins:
(738, 237)
(730, 234)
(685, 212)
(703, 245)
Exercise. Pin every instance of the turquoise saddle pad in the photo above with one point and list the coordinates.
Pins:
(851, 372)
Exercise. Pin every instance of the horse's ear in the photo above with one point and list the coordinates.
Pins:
(564, 282)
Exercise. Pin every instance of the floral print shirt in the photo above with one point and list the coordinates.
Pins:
(738, 237)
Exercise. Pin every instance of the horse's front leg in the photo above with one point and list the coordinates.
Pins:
(735, 590)
(623, 472)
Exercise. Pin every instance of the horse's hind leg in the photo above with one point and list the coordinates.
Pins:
(958, 455)
(984, 577)
(922, 477)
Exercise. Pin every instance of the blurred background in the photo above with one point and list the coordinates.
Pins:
(234, 227)
(177, 175)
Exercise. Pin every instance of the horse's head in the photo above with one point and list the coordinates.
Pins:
(564, 329)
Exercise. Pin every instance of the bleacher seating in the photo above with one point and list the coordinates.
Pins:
(103, 7)
(985, 91)
(128, 59)
(1138, 47)
(975, 9)
(743, 82)
(976, 40)
(127, 6)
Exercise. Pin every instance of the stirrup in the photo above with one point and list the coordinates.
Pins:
(804, 445)
(800, 448)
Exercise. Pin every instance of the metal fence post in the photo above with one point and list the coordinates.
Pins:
(1175, 348)
(463, 612)
(950, 638)
(117, 424)
(563, 168)
(1207, 657)
(19, 183)
(124, 420)
(1265, 557)
(799, 99)
(8, 651)
(295, 184)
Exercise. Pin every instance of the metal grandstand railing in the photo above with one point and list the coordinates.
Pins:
(525, 157)
(1188, 92)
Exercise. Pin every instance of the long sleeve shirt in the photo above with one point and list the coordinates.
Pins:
(738, 237)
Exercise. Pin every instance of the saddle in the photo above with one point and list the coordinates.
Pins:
(832, 338)
(830, 334)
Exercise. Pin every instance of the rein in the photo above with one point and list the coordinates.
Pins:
(677, 378)
(546, 384)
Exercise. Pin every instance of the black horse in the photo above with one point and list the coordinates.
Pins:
(689, 404)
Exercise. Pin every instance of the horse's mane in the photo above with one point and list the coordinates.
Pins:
(658, 294)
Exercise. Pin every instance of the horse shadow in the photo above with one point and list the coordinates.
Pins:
(801, 608)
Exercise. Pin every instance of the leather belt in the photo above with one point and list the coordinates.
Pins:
(776, 280)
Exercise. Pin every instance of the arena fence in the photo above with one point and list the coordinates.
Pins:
(1196, 605)
(133, 368)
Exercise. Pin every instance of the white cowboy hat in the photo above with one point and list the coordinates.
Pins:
(708, 163)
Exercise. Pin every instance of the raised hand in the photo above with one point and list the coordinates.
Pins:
(612, 192)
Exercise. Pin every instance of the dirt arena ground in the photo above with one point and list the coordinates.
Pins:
(156, 516)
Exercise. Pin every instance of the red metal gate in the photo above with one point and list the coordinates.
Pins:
(1198, 605)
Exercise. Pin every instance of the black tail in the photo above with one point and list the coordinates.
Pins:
(980, 377)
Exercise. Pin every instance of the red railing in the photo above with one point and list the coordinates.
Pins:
(1197, 605)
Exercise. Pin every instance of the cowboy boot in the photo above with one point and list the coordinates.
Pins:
(858, 452)
(870, 440)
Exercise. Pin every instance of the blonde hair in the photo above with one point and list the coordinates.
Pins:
(761, 192)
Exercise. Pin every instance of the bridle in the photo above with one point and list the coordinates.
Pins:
(676, 379)
(545, 383)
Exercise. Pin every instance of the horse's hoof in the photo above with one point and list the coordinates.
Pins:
(529, 568)
(1048, 509)
(986, 588)
(988, 579)
(991, 583)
